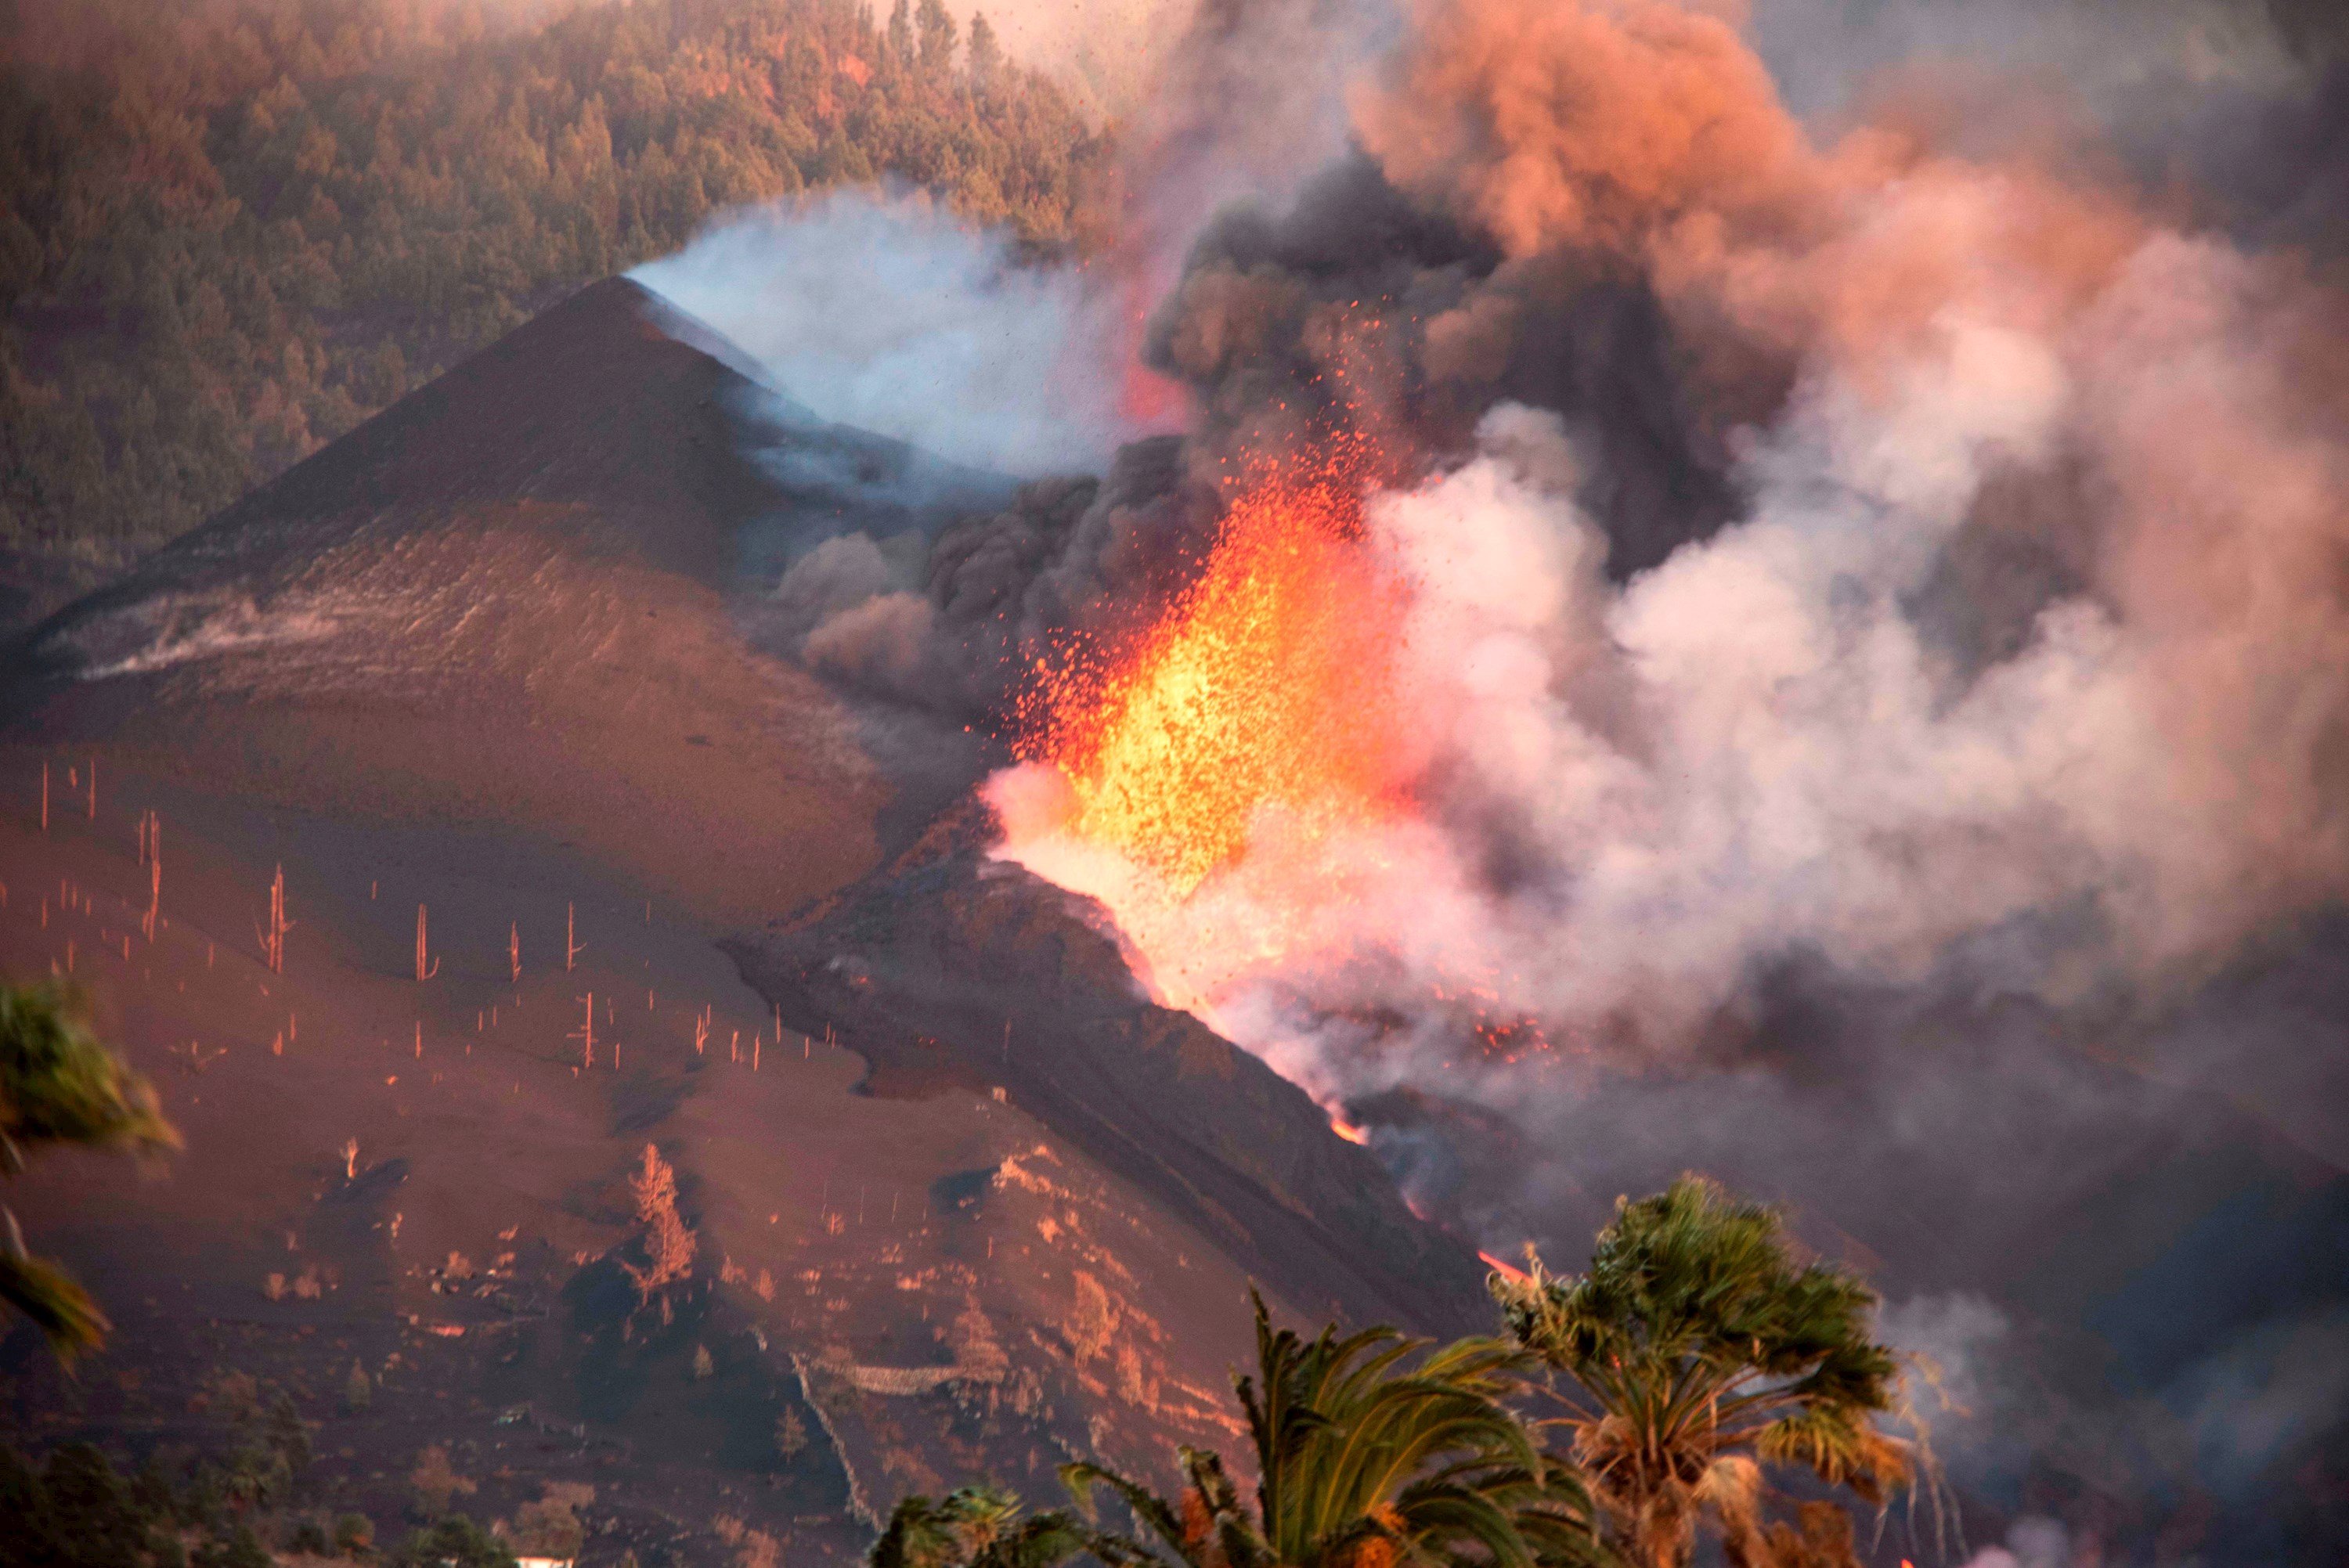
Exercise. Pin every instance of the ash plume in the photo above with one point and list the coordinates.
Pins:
(1933, 549)
(1867, 647)
(1840, 546)
(1869, 634)
(1106, 53)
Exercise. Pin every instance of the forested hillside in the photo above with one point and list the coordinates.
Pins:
(231, 229)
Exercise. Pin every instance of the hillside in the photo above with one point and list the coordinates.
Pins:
(473, 677)
(230, 231)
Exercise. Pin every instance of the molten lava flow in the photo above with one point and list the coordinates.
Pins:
(1264, 688)
(1238, 786)
(1516, 1275)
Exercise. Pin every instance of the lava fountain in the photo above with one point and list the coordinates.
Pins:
(1249, 731)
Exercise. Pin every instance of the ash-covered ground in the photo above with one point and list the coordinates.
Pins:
(479, 671)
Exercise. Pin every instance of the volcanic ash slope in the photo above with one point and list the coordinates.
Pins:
(471, 678)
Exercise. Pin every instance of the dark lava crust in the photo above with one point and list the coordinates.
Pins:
(948, 970)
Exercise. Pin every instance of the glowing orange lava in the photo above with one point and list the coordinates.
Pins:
(1266, 687)
(1516, 1275)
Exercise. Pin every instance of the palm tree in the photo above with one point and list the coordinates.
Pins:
(1363, 1462)
(980, 1527)
(60, 1085)
(1700, 1354)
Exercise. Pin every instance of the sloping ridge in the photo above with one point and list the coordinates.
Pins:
(592, 414)
(949, 968)
(611, 427)
(503, 602)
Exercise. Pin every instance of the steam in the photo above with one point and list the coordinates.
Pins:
(2268, 1396)
(1808, 732)
(1106, 53)
(884, 313)
(2032, 1542)
(1868, 616)
(1820, 51)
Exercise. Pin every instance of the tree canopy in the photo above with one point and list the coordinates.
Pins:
(231, 229)
(1369, 1449)
(1698, 1353)
(1698, 1360)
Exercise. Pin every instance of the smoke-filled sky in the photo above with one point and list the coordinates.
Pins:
(1106, 52)
(1841, 673)
(1942, 570)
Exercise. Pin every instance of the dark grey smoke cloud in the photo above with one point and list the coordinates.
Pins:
(2240, 107)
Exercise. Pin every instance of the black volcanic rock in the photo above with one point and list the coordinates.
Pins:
(947, 969)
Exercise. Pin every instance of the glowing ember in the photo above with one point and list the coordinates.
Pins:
(1238, 787)
(1519, 1276)
(1263, 689)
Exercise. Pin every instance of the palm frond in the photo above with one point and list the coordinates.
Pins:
(63, 1313)
(1706, 1350)
(1733, 1492)
(1841, 1449)
(1148, 1508)
(982, 1527)
(60, 1085)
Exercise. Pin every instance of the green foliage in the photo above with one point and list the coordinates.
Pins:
(87, 1509)
(455, 1539)
(980, 1527)
(56, 1304)
(938, 40)
(1370, 1450)
(436, 1483)
(791, 1434)
(357, 1392)
(1699, 1351)
(1362, 1460)
(242, 1548)
(986, 52)
(231, 229)
(551, 1527)
(288, 1433)
(354, 1534)
(60, 1085)
(255, 1477)
(78, 1511)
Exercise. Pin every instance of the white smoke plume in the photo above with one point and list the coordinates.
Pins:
(1639, 795)
(884, 311)
(1106, 53)
(1868, 618)
(1825, 52)
(2031, 1542)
